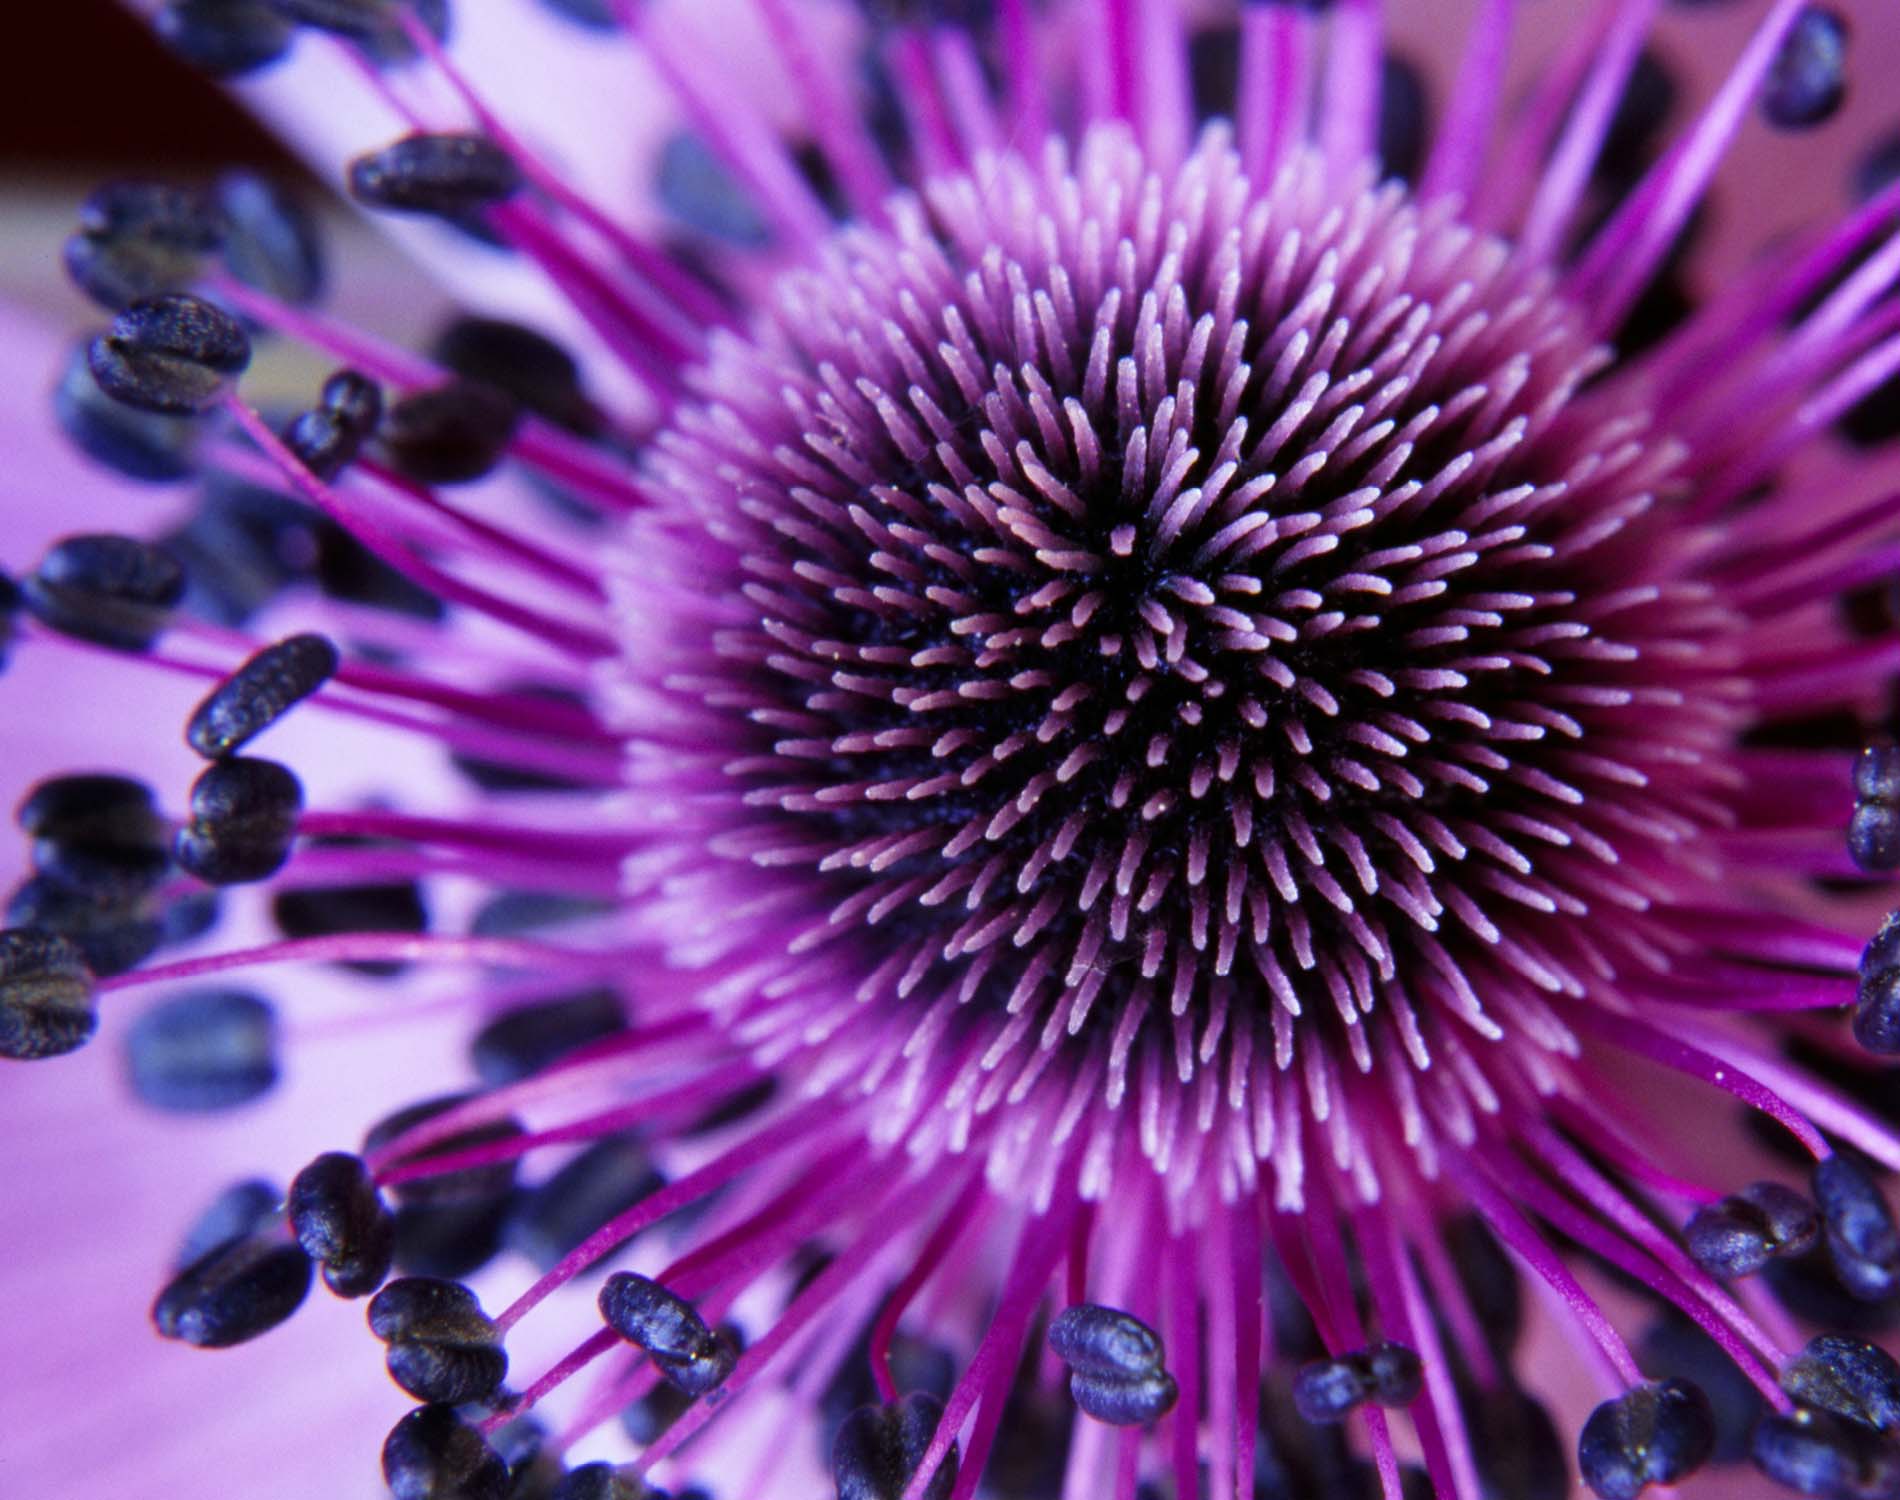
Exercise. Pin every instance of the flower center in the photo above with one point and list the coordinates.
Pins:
(1110, 593)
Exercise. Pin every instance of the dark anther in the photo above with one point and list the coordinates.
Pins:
(323, 443)
(325, 910)
(1519, 1452)
(1402, 110)
(46, 995)
(244, 815)
(449, 1224)
(1847, 1376)
(203, 1050)
(341, 1220)
(173, 353)
(599, 1184)
(1117, 1364)
(353, 397)
(1878, 167)
(1326, 1390)
(241, 1210)
(1877, 1001)
(515, 911)
(270, 241)
(1862, 1240)
(96, 833)
(595, 15)
(138, 239)
(113, 590)
(528, 1038)
(1742, 1233)
(1873, 832)
(454, 434)
(259, 693)
(138, 444)
(879, 1448)
(1654, 1434)
(442, 1346)
(114, 932)
(694, 186)
(234, 1292)
(527, 367)
(691, 1355)
(600, 1481)
(359, 20)
(327, 438)
(1809, 77)
(1121, 1401)
(225, 38)
(445, 175)
(432, 1454)
(1817, 1453)
(462, 1186)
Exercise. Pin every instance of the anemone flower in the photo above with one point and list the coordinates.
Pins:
(1073, 749)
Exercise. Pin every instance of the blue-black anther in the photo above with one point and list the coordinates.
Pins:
(352, 398)
(442, 1346)
(594, 15)
(1847, 1376)
(46, 996)
(446, 175)
(259, 693)
(1809, 78)
(1117, 1364)
(695, 186)
(341, 1220)
(1815, 1452)
(96, 833)
(359, 20)
(327, 438)
(244, 815)
(241, 1210)
(525, 365)
(1877, 1000)
(691, 1355)
(202, 1051)
(880, 1448)
(1742, 1233)
(1862, 1240)
(225, 38)
(112, 590)
(527, 1038)
(454, 434)
(139, 239)
(234, 1292)
(1101, 1340)
(173, 353)
(600, 1481)
(432, 1454)
(114, 932)
(1653, 1434)
(270, 240)
(1873, 831)
(465, 1184)
(598, 1185)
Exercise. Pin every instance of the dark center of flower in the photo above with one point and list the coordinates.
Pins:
(1139, 593)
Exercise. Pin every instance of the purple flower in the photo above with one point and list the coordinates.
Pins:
(1106, 729)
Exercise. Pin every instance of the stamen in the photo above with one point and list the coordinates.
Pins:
(172, 354)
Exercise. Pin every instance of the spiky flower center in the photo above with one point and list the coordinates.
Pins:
(1114, 594)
